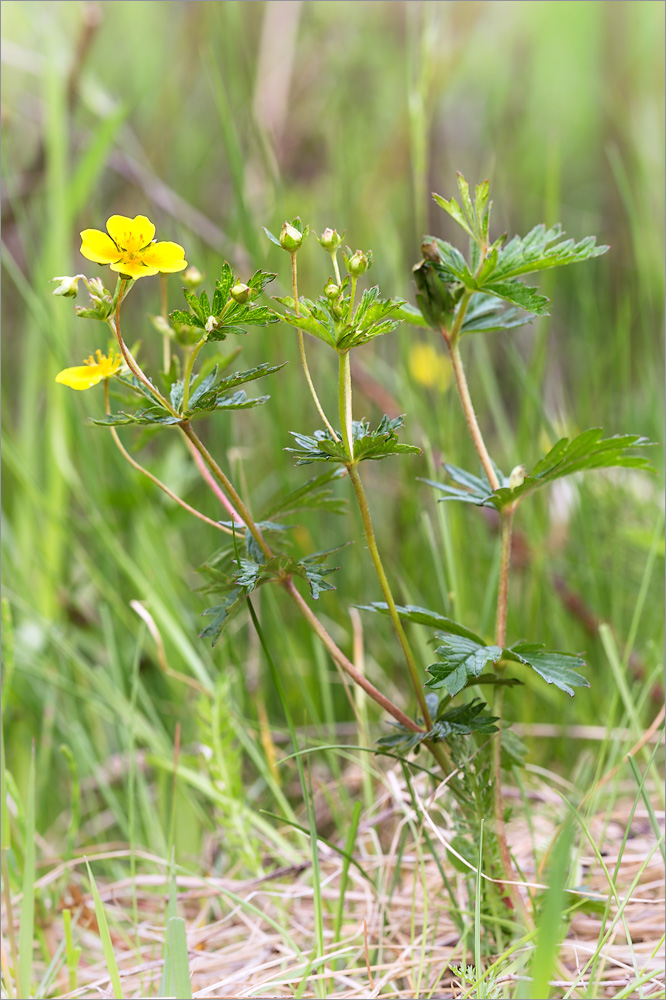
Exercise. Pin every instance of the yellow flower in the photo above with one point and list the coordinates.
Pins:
(91, 372)
(130, 249)
(429, 367)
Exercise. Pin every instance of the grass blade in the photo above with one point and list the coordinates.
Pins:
(105, 937)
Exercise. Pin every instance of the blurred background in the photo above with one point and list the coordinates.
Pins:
(215, 119)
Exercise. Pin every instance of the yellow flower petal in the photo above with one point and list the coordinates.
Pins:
(131, 234)
(98, 247)
(81, 377)
(165, 257)
(134, 268)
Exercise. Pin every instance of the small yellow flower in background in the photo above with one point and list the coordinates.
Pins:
(91, 372)
(130, 248)
(429, 367)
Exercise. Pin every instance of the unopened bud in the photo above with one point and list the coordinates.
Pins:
(68, 287)
(240, 292)
(517, 477)
(211, 324)
(331, 290)
(330, 240)
(291, 238)
(192, 278)
(162, 326)
(358, 263)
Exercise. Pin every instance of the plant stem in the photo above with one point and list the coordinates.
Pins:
(343, 661)
(130, 361)
(336, 269)
(228, 488)
(188, 373)
(210, 482)
(506, 526)
(345, 402)
(165, 489)
(468, 409)
(9, 914)
(301, 347)
(166, 342)
(386, 590)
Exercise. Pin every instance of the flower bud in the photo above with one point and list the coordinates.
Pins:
(68, 287)
(517, 477)
(331, 290)
(192, 278)
(358, 263)
(291, 238)
(436, 298)
(211, 324)
(330, 240)
(240, 292)
(162, 326)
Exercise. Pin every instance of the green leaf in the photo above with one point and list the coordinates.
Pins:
(272, 238)
(223, 286)
(586, 451)
(487, 314)
(181, 318)
(209, 394)
(519, 295)
(554, 666)
(455, 211)
(422, 616)
(314, 494)
(542, 248)
(460, 721)
(313, 568)
(374, 445)
(463, 660)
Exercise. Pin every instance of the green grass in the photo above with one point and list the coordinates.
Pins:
(220, 118)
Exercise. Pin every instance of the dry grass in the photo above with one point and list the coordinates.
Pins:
(254, 938)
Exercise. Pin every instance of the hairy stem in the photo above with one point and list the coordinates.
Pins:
(129, 360)
(158, 482)
(468, 410)
(188, 372)
(386, 590)
(345, 402)
(343, 661)
(301, 347)
(166, 340)
(228, 488)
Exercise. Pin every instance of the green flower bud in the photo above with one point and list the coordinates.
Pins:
(517, 477)
(330, 240)
(357, 263)
(331, 290)
(292, 235)
(240, 292)
(192, 278)
(436, 298)
(68, 287)
(162, 326)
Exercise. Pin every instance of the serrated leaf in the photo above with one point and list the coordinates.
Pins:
(368, 445)
(519, 295)
(487, 314)
(554, 666)
(462, 661)
(543, 248)
(422, 616)
(150, 415)
(195, 305)
(222, 332)
(455, 211)
(182, 318)
(460, 721)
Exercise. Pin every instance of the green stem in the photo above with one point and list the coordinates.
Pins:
(228, 488)
(352, 296)
(129, 360)
(336, 269)
(343, 661)
(345, 402)
(301, 347)
(468, 408)
(506, 527)
(158, 482)
(166, 340)
(386, 590)
(188, 373)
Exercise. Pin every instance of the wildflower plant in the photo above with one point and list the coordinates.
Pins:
(451, 716)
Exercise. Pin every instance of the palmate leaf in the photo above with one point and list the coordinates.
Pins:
(487, 314)
(314, 318)
(588, 450)
(542, 248)
(463, 661)
(460, 721)
(374, 445)
(224, 316)
(314, 569)
(518, 294)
